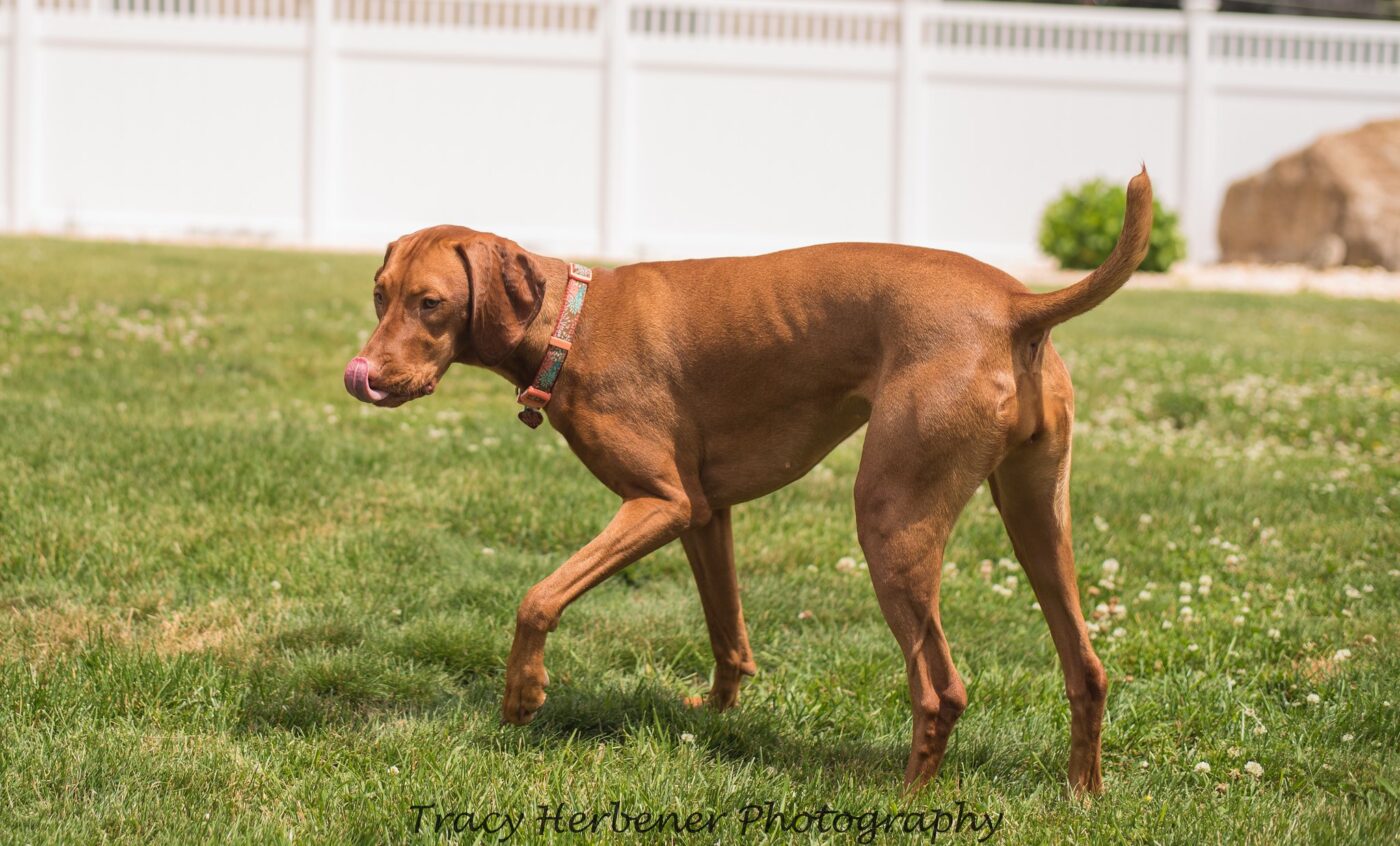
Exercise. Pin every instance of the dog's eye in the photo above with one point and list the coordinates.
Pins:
(429, 303)
(378, 299)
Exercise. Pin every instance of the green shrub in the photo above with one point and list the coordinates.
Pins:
(1080, 227)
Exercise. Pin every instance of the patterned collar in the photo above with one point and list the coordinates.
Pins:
(535, 396)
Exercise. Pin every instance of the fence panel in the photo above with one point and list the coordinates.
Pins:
(650, 127)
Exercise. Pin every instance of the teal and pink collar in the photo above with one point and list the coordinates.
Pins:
(535, 396)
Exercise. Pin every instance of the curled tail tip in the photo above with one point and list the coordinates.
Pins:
(1041, 311)
(1140, 183)
(1139, 214)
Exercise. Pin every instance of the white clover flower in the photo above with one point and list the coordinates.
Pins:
(275, 585)
(845, 564)
(1191, 647)
(1313, 699)
(1239, 621)
(1111, 566)
(1145, 519)
(1275, 634)
(1166, 624)
(486, 550)
(687, 737)
(1187, 612)
(1100, 523)
(1184, 587)
(1348, 737)
(1120, 632)
(1202, 767)
(1144, 595)
(1205, 579)
(1254, 768)
(1341, 655)
(1351, 592)
(393, 770)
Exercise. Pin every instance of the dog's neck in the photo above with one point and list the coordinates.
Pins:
(523, 363)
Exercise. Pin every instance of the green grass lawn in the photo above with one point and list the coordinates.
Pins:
(235, 604)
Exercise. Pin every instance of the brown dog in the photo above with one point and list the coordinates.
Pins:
(697, 385)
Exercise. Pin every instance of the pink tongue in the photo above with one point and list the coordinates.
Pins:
(357, 381)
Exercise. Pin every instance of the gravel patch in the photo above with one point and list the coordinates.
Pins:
(1351, 282)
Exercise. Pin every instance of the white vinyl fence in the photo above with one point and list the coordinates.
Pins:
(645, 128)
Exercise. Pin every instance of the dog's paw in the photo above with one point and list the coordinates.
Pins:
(724, 692)
(524, 696)
(720, 698)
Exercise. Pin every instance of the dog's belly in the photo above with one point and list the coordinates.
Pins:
(766, 451)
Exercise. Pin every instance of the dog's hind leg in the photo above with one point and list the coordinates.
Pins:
(912, 485)
(710, 549)
(1031, 489)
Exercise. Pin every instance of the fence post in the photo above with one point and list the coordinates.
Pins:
(614, 239)
(21, 119)
(1198, 132)
(909, 182)
(315, 161)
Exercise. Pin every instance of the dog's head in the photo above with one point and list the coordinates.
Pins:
(445, 294)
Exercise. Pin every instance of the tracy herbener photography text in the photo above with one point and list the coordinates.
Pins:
(754, 818)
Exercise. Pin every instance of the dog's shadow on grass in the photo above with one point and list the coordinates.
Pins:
(753, 734)
(335, 689)
(747, 734)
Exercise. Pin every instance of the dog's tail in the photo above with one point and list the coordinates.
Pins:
(1042, 311)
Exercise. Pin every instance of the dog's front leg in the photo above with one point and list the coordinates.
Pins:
(640, 526)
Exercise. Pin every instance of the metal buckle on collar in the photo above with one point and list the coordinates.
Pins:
(533, 397)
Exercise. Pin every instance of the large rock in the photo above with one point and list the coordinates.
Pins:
(1334, 202)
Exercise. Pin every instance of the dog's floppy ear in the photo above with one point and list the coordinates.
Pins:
(388, 251)
(506, 291)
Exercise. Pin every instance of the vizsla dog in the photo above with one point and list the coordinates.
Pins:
(689, 387)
